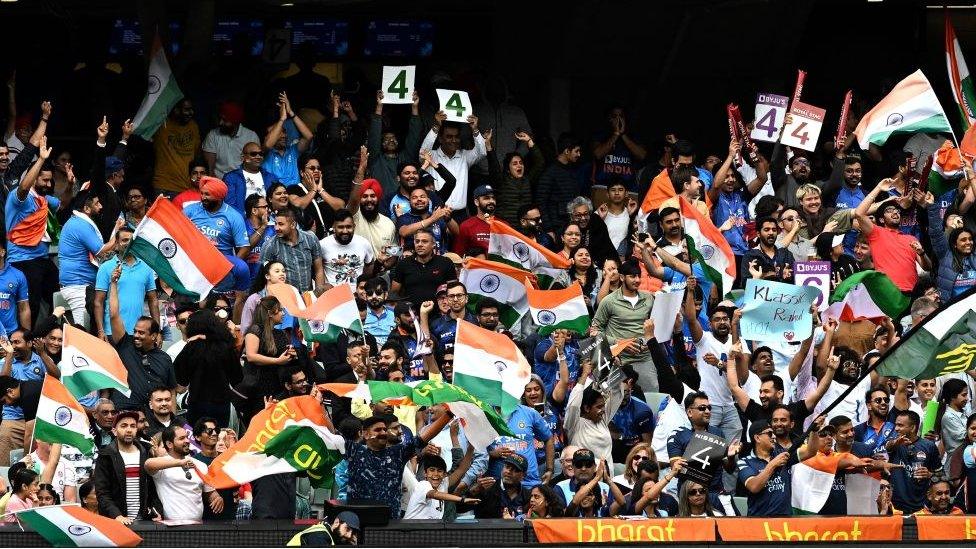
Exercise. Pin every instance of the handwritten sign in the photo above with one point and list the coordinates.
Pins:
(817, 274)
(398, 84)
(455, 104)
(775, 310)
(769, 115)
(804, 128)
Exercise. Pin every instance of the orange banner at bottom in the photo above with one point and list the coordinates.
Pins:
(810, 529)
(946, 528)
(611, 530)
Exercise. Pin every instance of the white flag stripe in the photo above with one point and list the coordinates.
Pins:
(191, 277)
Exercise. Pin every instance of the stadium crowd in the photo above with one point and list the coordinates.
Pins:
(319, 197)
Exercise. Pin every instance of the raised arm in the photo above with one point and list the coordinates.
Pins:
(118, 326)
(813, 398)
(279, 126)
(797, 361)
(739, 395)
(723, 171)
(24, 187)
(861, 212)
(689, 311)
(559, 391)
(356, 191)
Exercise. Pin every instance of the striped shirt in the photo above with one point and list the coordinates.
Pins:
(297, 258)
(131, 461)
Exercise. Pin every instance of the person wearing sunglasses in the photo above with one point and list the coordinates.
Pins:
(693, 501)
(880, 426)
(206, 433)
(699, 411)
(767, 472)
(635, 458)
(840, 432)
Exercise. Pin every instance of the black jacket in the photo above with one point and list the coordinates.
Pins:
(109, 479)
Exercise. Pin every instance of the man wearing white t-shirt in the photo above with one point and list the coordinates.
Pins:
(712, 351)
(180, 488)
(345, 254)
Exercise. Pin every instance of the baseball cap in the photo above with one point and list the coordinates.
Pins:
(483, 190)
(517, 462)
(351, 519)
(442, 289)
(131, 414)
(402, 308)
(758, 427)
(583, 458)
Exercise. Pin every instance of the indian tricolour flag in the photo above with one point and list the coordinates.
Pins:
(947, 169)
(960, 81)
(61, 419)
(292, 436)
(867, 295)
(70, 525)
(89, 364)
(162, 94)
(559, 309)
(177, 251)
(489, 366)
(707, 245)
(812, 482)
(910, 107)
(507, 245)
(334, 311)
(482, 425)
(501, 282)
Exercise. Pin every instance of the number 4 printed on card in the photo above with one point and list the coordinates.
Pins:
(398, 85)
(455, 104)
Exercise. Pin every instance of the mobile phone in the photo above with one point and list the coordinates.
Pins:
(539, 407)
(641, 237)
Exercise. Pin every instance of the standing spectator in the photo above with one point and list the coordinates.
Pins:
(559, 183)
(122, 486)
(615, 154)
(26, 214)
(281, 159)
(953, 248)
(767, 260)
(250, 178)
(224, 143)
(529, 428)
(894, 253)
(513, 180)
(107, 179)
(921, 462)
(473, 231)
(951, 419)
(767, 473)
(372, 223)
(417, 277)
(376, 467)
(298, 251)
(311, 198)
(419, 217)
(176, 144)
(208, 366)
(588, 414)
(456, 160)
(380, 319)
(385, 153)
(617, 213)
(162, 413)
(698, 409)
(258, 221)
(633, 423)
(137, 285)
(180, 488)
(346, 255)
(621, 315)
(14, 307)
(444, 328)
(146, 364)
(80, 241)
(205, 431)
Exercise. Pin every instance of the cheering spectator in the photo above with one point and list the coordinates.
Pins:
(297, 250)
(224, 143)
(559, 183)
(454, 159)
(416, 278)
(921, 462)
(122, 486)
(136, 284)
(176, 144)
(208, 367)
(309, 196)
(513, 180)
(281, 159)
(345, 255)
(177, 482)
(385, 153)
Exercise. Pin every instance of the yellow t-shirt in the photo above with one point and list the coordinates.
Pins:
(175, 147)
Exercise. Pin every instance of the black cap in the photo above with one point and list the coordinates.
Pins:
(483, 190)
(351, 519)
(758, 427)
(583, 458)
(517, 462)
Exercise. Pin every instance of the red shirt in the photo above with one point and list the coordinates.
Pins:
(893, 255)
(189, 195)
(473, 233)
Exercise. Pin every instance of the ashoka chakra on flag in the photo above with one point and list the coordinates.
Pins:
(62, 416)
(167, 247)
(489, 283)
(545, 317)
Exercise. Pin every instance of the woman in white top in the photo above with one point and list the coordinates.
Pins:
(588, 415)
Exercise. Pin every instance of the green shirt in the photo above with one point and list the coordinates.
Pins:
(618, 319)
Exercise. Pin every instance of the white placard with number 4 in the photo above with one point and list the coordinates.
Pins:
(455, 104)
(770, 111)
(804, 127)
(398, 85)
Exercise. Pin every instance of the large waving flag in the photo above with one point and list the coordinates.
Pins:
(910, 107)
(660, 191)
(959, 79)
(70, 525)
(706, 244)
(89, 364)
(944, 343)
(176, 249)
(500, 282)
(867, 295)
(482, 425)
(61, 419)
(490, 366)
(162, 94)
(334, 311)
(293, 435)
(947, 169)
(507, 245)
(559, 309)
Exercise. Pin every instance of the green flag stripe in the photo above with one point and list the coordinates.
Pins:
(48, 530)
(49, 432)
(882, 290)
(81, 383)
(160, 109)
(935, 123)
(331, 335)
(578, 325)
(303, 448)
